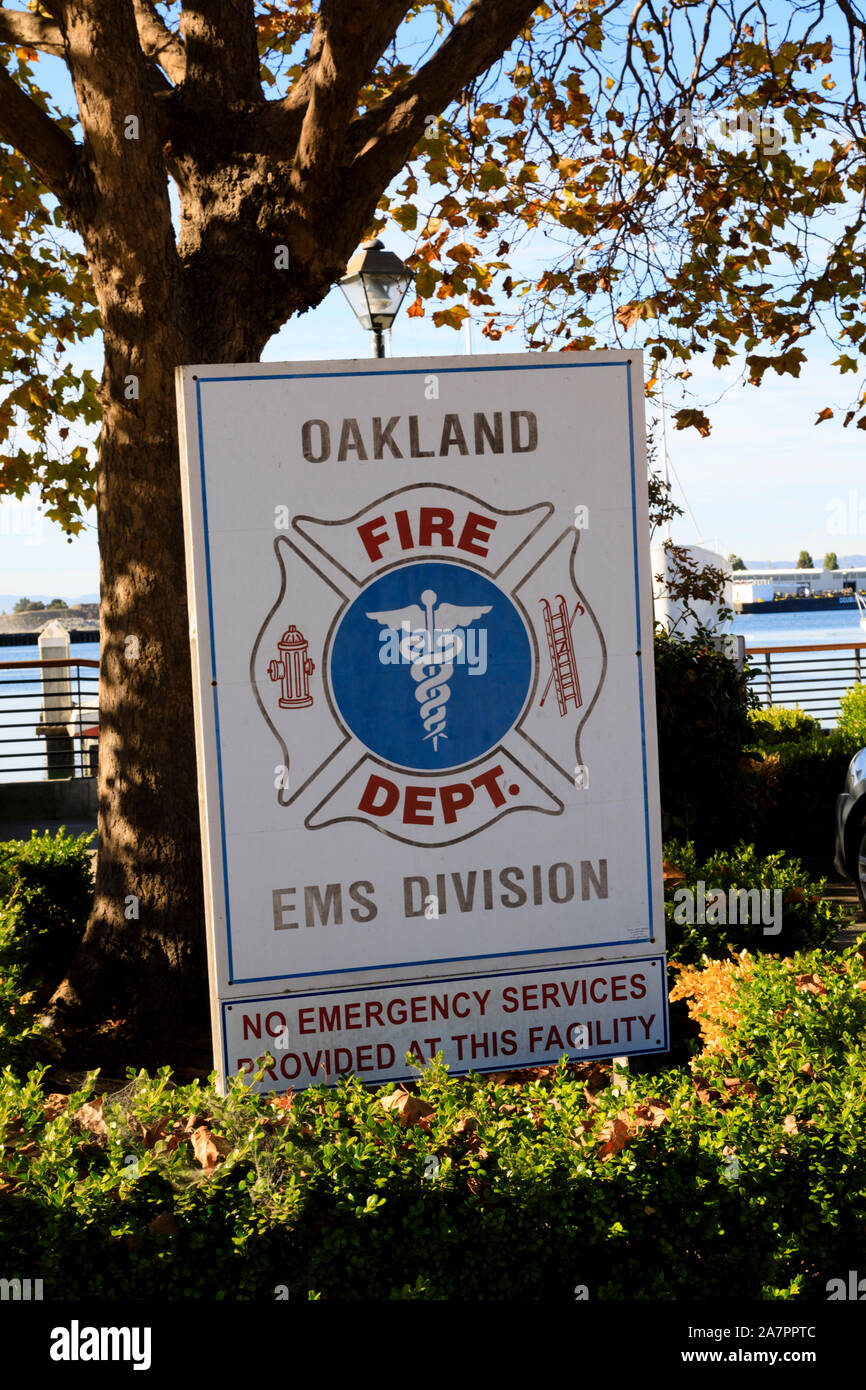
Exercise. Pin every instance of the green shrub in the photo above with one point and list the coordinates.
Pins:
(702, 704)
(852, 714)
(46, 888)
(509, 1190)
(798, 1039)
(778, 725)
(807, 918)
(23, 1041)
(798, 786)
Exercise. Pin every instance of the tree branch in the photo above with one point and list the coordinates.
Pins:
(381, 140)
(30, 31)
(222, 55)
(348, 42)
(158, 42)
(854, 20)
(124, 134)
(31, 131)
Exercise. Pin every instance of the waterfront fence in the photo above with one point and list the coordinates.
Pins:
(49, 708)
(48, 718)
(812, 677)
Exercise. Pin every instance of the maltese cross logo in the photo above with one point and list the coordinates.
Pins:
(430, 644)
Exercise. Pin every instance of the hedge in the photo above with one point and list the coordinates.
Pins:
(741, 1175)
(702, 707)
(803, 916)
(46, 888)
(797, 787)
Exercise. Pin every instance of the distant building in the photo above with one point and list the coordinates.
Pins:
(768, 585)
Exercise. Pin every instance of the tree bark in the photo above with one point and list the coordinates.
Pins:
(253, 177)
(143, 955)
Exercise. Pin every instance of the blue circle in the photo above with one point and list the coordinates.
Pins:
(413, 711)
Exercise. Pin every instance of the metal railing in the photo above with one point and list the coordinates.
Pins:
(48, 718)
(813, 677)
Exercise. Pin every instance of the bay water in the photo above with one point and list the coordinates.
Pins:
(759, 630)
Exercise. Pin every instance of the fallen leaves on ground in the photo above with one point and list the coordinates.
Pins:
(159, 1129)
(671, 875)
(91, 1116)
(735, 1086)
(408, 1109)
(163, 1224)
(54, 1104)
(706, 1094)
(596, 1080)
(208, 1148)
(652, 1114)
(616, 1134)
(284, 1106)
(810, 984)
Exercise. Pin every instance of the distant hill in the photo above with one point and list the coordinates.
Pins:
(846, 562)
(8, 601)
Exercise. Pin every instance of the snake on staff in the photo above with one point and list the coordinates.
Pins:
(433, 669)
(430, 644)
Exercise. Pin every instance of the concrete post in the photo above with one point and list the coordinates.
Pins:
(56, 701)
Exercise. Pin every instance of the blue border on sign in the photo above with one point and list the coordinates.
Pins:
(585, 1055)
(420, 371)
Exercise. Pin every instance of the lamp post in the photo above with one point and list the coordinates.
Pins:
(375, 283)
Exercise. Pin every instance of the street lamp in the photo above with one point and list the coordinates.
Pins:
(374, 284)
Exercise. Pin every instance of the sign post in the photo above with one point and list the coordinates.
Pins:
(421, 618)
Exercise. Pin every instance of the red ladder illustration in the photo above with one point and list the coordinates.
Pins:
(564, 667)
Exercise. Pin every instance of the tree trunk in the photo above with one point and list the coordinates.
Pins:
(256, 181)
(144, 948)
(143, 958)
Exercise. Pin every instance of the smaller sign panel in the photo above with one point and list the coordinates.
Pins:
(486, 1023)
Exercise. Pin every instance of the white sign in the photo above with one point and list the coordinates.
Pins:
(485, 1022)
(420, 600)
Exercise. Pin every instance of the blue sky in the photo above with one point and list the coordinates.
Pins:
(766, 483)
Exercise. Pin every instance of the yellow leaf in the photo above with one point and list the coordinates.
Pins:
(450, 318)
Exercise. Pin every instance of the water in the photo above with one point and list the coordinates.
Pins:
(22, 761)
(799, 629)
(759, 630)
(805, 630)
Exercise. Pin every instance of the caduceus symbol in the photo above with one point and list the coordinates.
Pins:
(430, 644)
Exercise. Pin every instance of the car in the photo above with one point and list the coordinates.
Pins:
(850, 856)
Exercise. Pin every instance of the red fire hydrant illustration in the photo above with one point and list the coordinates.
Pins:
(293, 669)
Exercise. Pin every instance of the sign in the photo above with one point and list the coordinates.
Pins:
(420, 601)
